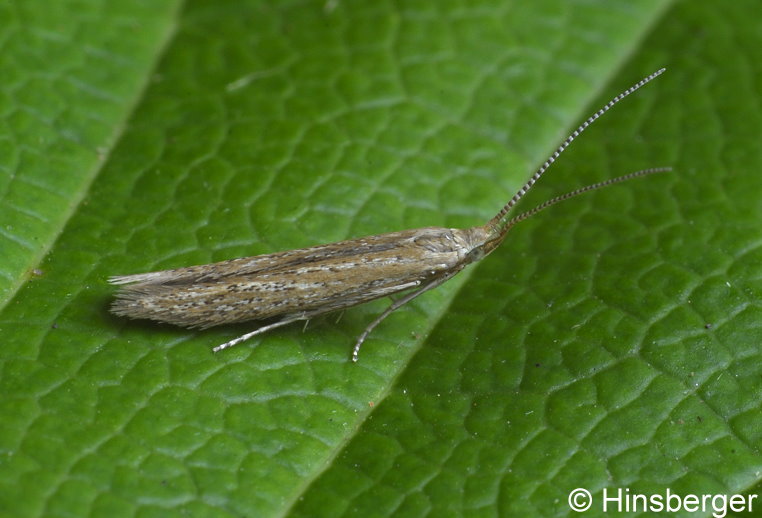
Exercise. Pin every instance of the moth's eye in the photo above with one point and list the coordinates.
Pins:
(475, 255)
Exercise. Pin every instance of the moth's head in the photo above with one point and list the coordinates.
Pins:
(482, 240)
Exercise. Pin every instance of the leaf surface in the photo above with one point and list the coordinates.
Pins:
(612, 342)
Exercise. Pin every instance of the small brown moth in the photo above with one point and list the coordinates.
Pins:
(301, 284)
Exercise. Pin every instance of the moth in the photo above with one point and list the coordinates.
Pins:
(285, 287)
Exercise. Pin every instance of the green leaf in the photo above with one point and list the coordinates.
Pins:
(611, 342)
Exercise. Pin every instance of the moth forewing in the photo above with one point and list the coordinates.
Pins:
(301, 284)
(298, 284)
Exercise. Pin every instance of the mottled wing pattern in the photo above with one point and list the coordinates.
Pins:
(308, 281)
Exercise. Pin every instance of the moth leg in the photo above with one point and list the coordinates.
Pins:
(256, 332)
(396, 305)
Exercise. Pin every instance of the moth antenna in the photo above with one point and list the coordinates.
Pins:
(528, 214)
(500, 223)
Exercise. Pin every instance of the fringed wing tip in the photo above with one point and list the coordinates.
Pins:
(121, 308)
(137, 278)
